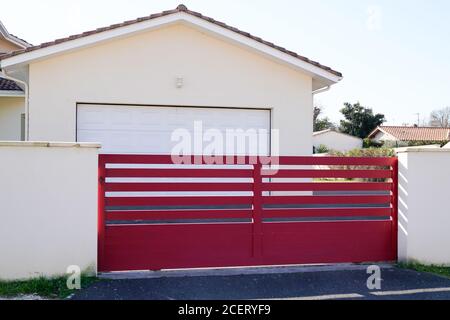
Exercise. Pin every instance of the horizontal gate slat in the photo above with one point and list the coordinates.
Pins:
(326, 200)
(167, 159)
(290, 173)
(178, 173)
(177, 201)
(327, 212)
(136, 158)
(179, 186)
(326, 186)
(294, 160)
(337, 161)
(154, 215)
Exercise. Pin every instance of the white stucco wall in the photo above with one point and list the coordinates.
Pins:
(142, 69)
(389, 140)
(10, 110)
(48, 209)
(424, 210)
(337, 141)
(381, 136)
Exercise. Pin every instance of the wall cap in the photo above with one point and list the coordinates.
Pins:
(415, 149)
(50, 144)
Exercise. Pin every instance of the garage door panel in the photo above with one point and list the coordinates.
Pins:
(118, 117)
(148, 129)
(90, 119)
(149, 117)
(154, 141)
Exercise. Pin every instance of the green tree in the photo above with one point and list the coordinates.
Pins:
(321, 123)
(359, 121)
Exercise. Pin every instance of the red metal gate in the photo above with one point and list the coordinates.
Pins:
(329, 210)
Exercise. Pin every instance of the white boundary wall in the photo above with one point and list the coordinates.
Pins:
(424, 205)
(48, 208)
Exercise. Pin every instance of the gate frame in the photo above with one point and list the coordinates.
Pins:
(257, 235)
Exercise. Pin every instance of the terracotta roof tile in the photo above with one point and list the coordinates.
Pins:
(180, 8)
(415, 133)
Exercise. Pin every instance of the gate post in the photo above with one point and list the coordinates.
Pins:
(257, 213)
(395, 209)
(101, 213)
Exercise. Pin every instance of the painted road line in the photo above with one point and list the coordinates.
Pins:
(412, 291)
(327, 297)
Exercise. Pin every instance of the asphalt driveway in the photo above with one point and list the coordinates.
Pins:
(310, 283)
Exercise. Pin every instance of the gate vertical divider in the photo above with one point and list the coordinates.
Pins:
(101, 223)
(395, 209)
(257, 213)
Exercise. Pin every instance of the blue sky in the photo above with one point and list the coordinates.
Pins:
(394, 54)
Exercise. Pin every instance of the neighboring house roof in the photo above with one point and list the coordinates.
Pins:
(12, 38)
(335, 131)
(403, 133)
(8, 85)
(320, 132)
(181, 9)
(10, 88)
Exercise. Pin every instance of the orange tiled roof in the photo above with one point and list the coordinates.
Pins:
(414, 133)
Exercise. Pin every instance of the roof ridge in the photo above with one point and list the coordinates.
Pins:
(413, 127)
(322, 131)
(179, 8)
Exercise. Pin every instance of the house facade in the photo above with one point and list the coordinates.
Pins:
(12, 98)
(130, 85)
(12, 108)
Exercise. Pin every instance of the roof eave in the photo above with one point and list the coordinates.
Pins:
(11, 93)
(324, 76)
(11, 38)
(375, 131)
(321, 132)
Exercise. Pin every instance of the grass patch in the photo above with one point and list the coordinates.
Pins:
(438, 270)
(50, 288)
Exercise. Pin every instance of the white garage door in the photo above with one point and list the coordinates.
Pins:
(145, 129)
